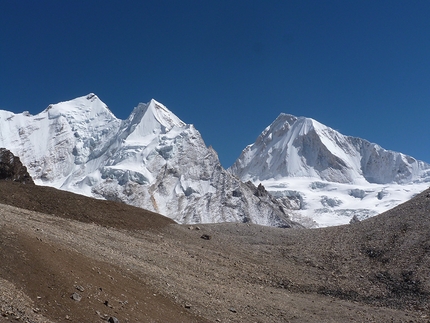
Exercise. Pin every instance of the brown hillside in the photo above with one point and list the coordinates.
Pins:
(139, 267)
(49, 200)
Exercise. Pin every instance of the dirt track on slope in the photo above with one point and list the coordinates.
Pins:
(139, 267)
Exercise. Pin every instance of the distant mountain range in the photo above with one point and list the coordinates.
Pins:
(155, 161)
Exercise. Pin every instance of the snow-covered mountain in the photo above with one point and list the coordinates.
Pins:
(151, 160)
(326, 176)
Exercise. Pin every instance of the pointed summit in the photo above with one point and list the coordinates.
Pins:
(163, 115)
(151, 118)
(291, 146)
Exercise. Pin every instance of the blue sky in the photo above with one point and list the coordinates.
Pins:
(229, 67)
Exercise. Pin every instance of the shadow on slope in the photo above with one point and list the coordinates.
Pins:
(77, 207)
(39, 276)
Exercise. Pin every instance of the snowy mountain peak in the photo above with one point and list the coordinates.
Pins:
(164, 116)
(79, 109)
(303, 147)
(302, 125)
(325, 174)
(291, 146)
(151, 118)
(291, 126)
(151, 160)
(285, 118)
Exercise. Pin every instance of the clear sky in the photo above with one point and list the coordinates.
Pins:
(229, 67)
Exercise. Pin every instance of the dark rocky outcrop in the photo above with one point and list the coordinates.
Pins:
(12, 169)
(260, 191)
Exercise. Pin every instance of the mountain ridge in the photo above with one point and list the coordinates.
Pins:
(329, 177)
(290, 140)
(154, 160)
(151, 160)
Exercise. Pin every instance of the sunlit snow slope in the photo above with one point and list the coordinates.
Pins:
(151, 160)
(326, 176)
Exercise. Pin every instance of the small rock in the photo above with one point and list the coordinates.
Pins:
(354, 220)
(197, 228)
(260, 191)
(206, 237)
(76, 297)
(80, 288)
(113, 319)
(232, 309)
(187, 305)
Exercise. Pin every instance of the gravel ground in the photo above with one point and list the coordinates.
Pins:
(81, 260)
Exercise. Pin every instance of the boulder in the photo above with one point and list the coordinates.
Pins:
(12, 169)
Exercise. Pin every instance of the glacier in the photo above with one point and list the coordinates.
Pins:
(151, 160)
(328, 178)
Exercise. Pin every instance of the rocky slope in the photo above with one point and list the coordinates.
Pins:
(69, 265)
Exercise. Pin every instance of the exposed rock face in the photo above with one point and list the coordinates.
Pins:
(12, 169)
